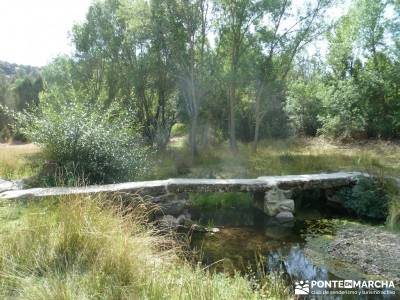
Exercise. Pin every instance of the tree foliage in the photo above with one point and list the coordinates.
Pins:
(238, 70)
(361, 76)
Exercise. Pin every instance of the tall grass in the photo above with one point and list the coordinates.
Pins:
(19, 161)
(393, 220)
(274, 157)
(89, 248)
(280, 157)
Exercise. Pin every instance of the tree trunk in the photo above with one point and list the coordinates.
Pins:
(205, 141)
(194, 115)
(192, 136)
(258, 119)
(256, 133)
(232, 123)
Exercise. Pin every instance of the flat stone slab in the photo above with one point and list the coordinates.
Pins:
(6, 185)
(180, 185)
(310, 181)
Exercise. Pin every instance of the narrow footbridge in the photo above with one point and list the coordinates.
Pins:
(275, 189)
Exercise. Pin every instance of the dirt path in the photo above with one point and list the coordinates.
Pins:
(19, 147)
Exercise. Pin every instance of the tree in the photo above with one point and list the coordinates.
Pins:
(279, 46)
(191, 44)
(360, 55)
(124, 56)
(304, 104)
(236, 18)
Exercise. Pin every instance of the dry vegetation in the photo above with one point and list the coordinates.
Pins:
(281, 157)
(81, 248)
(19, 161)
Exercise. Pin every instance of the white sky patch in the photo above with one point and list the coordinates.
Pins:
(33, 32)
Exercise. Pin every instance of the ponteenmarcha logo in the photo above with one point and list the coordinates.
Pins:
(333, 287)
(302, 287)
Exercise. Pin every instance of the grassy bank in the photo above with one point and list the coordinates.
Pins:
(19, 161)
(77, 248)
(281, 157)
(274, 157)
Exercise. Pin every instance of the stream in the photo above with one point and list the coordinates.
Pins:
(246, 240)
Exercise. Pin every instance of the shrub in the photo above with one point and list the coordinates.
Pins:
(367, 199)
(83, 140)
(344, 115)
(304, 104)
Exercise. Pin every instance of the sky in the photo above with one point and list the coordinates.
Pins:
(33, 32)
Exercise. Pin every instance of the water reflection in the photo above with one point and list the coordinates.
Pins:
(245, 234)
(295, 263)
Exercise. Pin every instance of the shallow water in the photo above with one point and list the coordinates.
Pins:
(248, 240)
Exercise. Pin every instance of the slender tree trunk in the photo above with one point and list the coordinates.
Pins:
(257, 128)
(205, 136)
(232, 103)
(193, 135)
(232, 121)
(195, 115)
(258, 118)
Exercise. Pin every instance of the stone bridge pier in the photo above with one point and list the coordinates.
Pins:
(275, 203)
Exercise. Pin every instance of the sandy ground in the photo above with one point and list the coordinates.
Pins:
(364, 250)
(375, 251)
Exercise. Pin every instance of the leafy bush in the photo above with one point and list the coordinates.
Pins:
(92, 144)
(344, 116)
(367, 199)
(304, 104)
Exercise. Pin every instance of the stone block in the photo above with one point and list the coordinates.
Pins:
(277, 201)
(284, 216)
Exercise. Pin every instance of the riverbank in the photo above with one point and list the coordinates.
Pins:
(85, 248)
(371, 252)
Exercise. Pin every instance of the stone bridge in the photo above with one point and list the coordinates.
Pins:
(272, 194)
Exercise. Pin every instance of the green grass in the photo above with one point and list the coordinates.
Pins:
(91, 248)
(221, 200)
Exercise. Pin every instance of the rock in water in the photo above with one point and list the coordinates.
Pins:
(284, 216)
